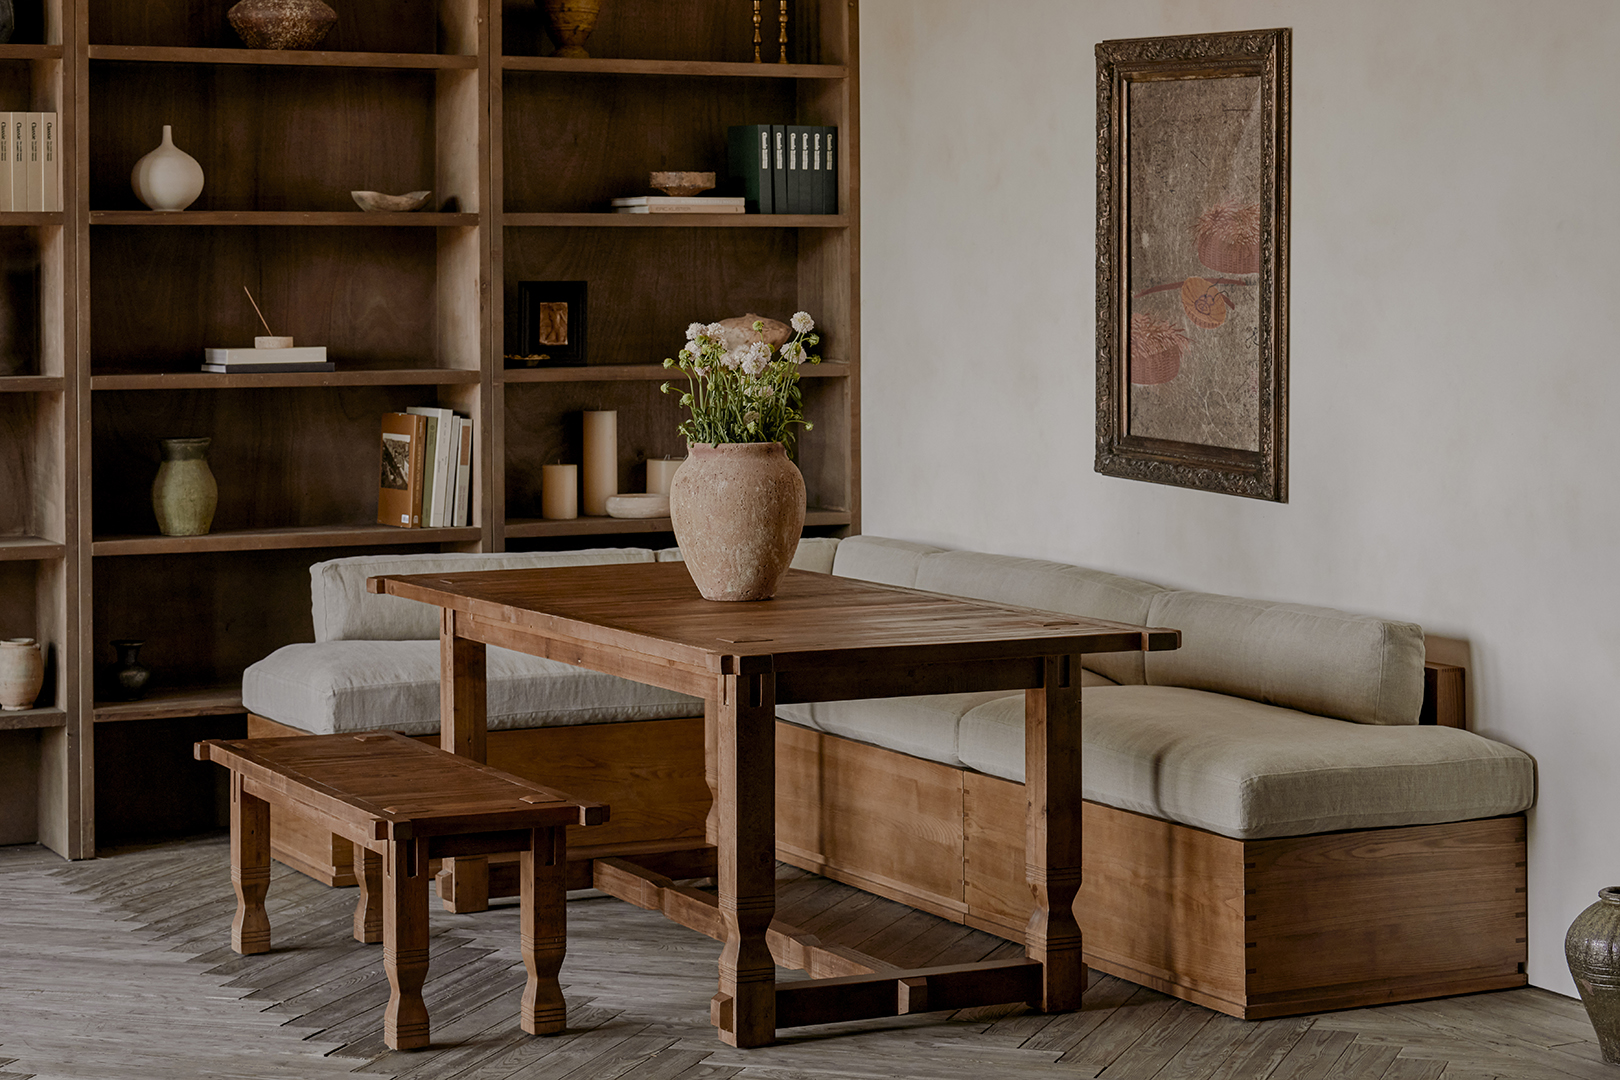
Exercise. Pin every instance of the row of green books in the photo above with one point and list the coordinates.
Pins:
(785, 168)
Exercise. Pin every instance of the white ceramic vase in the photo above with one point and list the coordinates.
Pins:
(22, 673)
(168, 178)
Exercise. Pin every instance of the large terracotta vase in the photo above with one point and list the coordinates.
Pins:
(738, 510)
(22, 673)
(1592, 948)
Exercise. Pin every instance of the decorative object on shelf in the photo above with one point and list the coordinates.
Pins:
(168, 178)
(757, 59)
(128, 678)
(271, 353)
(559, 492)
(553, 324)
(281, 24)
(737, 505)
(1592, 947)
(570, 22)
(601, 460)
(680, 184)
(781, 38)
(1192, 261)
(375, 202)
(636, 505)
(741, 330)
(660, 471)
(184, 495)
(8, 20)
(22, 667)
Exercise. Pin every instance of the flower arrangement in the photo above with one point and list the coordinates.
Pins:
(738, 391)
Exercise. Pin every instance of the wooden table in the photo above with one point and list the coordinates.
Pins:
(822, 638)
(402, 803)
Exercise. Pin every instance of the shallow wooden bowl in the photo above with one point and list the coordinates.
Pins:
(681, 184)
(377, 202)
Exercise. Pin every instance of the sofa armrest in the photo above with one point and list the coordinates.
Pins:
(1445, 696)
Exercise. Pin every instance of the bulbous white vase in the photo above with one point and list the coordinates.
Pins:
(168, 178)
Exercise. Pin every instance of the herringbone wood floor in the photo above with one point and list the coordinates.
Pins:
(120, 968)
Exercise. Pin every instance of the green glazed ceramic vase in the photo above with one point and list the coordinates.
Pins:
(184, 494)
(1592, 948)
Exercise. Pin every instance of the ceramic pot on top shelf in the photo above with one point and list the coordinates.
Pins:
(184, 495)
(569, 23)
(22, 673)
(168, 178)
(737, 510)
(281, 24)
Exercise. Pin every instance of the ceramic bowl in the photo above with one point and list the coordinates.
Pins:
(376, 201)
(638, 506)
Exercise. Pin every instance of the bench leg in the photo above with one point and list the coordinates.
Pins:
(250, 869)
(368, 910)
(405, 943)
(544, 930)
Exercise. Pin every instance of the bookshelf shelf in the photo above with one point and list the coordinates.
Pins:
(356, 219)
(530, 528)
(203, 380)
(329, 536)
(689, 68)
(675, 221)
(284, 58)
(31, 384)
(30, 549)
(35, 218)
(169, 703)
(33, 718)
(30, 52)
(639, 373)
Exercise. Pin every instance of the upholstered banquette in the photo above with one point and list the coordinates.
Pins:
(1269, 828)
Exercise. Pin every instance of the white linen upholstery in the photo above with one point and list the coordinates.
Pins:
(874, 558)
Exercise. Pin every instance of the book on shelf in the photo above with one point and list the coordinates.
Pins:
(33, 173)
(749, 159)
(5, 159)
(263, 369)
(404, 458)
(795, 171)
(438, 482)
(306, 357)
(829, 174)
(779, 169)
(50, 176)
(463, 502)
(679, 204)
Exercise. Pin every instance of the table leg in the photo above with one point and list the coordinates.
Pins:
(250, 869)
(405, 943)
(463, 730)
(745, 1008)
(1052, 831)
(368, 910)
(544, 931)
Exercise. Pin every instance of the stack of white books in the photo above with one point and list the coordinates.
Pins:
(30, 165)
(265, 361)
(447, 477)
(680, 204)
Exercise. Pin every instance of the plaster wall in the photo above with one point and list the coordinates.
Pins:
(1455, 237)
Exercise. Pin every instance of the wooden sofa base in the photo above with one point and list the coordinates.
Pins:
(1254, 929)
(649, 773)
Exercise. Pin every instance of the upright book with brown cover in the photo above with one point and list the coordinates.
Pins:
(404, 456)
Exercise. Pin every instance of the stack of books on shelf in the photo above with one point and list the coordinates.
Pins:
(679, 204)
(785, 168)
(30, 165)
(265, 361)
(426, 477)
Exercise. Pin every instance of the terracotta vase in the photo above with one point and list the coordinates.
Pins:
(22, 673)
(128, 678)
(570, 22)
(1592, 948)
(168, 178)
(738, 510)
(281, 24)
(184, 495)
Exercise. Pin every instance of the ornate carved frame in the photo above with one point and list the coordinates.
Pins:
(1261, 474)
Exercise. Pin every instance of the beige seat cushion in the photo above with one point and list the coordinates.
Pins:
(1247, 770)
(879, 559)
(342, 686)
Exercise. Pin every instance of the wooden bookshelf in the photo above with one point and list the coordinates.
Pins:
(458, 96)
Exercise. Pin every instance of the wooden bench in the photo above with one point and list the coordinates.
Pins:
(402, 803)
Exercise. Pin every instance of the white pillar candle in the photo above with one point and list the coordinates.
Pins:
(601, 460)
(559, 491)
(660, 471)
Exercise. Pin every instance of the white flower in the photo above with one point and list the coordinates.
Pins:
(755, 357)
(693, 331)
(701, 371)
(793, 352)
(732, 359)
(802, 322)
(715, 330)
(765, 393)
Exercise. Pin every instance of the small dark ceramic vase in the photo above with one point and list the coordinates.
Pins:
(1592, 948)
(8, 20)
(129, 676)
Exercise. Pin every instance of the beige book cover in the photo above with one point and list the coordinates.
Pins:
(404, 457)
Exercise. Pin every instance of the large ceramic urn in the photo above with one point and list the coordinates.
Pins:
(1592, 948)
(738, 510)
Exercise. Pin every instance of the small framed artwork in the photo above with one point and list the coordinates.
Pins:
(1192, 261)
(553, 324)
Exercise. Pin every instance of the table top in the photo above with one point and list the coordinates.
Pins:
(815, 621)
(396, 787)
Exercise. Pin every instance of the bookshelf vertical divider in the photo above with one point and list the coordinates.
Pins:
(461, 96)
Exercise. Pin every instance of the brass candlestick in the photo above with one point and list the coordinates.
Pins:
(781, 21)
(757, 59)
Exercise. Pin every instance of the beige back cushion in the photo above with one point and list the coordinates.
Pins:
(344, 611)
(874, 558)
(1049, 586)
(1317, 660)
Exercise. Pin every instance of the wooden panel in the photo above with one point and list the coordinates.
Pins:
(19, 787)
(886, 821)
(1416, 903)
(1445, 695)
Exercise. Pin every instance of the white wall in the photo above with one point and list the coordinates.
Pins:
(1456, 235)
